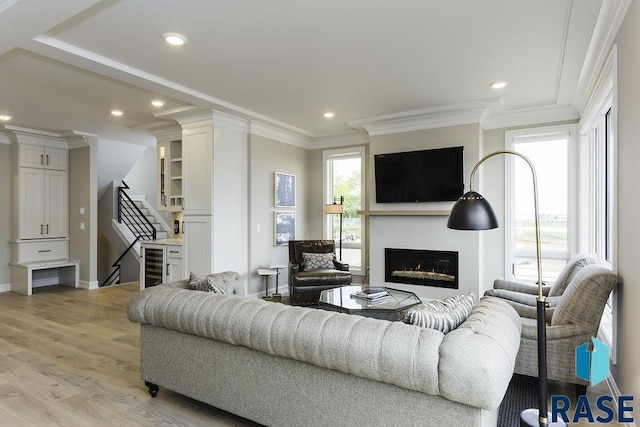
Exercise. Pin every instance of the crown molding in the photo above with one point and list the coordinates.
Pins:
(496, 119)
(339, 140)
(4, 138)
(271, 132)
(228, 121)
(428, 118)
(168, 132)
(609, 20)
(20, 129)
(193, 117)
(78, 139)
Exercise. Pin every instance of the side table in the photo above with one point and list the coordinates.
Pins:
(266, 272)
(277, 297)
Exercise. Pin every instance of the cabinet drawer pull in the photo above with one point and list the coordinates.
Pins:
(47, 228)
(47, 160)
(173, 252)
(168, 269)
(44, 250)
(41, 159)
(41, 229)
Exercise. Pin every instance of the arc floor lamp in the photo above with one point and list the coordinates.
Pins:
(473, 212)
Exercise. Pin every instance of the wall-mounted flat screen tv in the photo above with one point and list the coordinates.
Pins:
(420, 176)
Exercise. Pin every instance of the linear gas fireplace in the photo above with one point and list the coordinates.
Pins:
(421, 267)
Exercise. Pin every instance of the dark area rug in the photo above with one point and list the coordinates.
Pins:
(521, 394)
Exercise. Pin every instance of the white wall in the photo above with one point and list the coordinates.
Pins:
(627, 372)
(142, 178)
(266, 157)
(83, 241)
(425, 232)
(115, 160)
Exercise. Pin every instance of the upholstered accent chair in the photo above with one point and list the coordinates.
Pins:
(573, 318)
(522, 295)
(313, 267)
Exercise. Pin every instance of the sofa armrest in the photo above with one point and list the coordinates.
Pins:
(525, 288)
(294, 268)
(342, 266)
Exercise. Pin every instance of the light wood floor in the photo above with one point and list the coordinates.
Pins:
(71, 357)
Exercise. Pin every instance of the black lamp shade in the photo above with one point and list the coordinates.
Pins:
(472, 212)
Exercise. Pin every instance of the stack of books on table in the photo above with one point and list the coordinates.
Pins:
(372, 295)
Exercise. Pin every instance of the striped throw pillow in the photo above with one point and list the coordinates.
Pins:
(444, 315)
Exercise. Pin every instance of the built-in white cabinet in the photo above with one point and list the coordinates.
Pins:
(43, 203)
(161, 262)
(35, 156)
(40, 218)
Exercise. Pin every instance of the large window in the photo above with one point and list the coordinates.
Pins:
(344, 179)
(549, 150)
(598, 129)
(602, 205)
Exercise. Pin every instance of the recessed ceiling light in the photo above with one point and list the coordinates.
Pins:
(5, 117)
(498, 85)
(157, 103)
(117, 113)
(329, 114)
(175, 39)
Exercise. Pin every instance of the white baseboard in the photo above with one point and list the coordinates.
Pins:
(83, 284)
(5, 288)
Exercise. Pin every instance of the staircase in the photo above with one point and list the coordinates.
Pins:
(142, 215)
(135, 223)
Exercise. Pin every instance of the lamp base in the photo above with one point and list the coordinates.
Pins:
(529, 418)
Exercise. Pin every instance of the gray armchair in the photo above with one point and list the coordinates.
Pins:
(572, 320)
(307, 279)
(522, 296)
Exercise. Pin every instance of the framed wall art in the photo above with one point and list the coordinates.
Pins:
(284, 227)
(285, 190)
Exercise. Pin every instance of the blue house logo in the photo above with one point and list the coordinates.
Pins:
(592, 364)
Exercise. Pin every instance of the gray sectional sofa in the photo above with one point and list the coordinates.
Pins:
(281, 365)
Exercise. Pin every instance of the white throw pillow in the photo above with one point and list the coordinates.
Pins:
(444, 315)
(317, 261)
(203, 283)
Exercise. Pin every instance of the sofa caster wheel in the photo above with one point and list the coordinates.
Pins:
(153, 389)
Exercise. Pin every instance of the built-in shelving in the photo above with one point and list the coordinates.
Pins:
(170, 175)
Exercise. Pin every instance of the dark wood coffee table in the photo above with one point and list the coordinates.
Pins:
(339, 299)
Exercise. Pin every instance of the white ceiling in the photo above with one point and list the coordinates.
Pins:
(65, 64)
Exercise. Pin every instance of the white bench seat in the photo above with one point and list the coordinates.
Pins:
(25, 277)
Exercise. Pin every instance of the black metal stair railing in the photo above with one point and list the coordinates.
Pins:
(130, 215)
(114, 277)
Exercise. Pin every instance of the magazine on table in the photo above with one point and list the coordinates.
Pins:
(372, 294)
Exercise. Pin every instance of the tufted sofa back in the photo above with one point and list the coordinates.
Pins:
(480, 353)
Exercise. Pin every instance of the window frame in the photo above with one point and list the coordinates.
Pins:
(593, 127)
(533, 135)
(336, 154)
